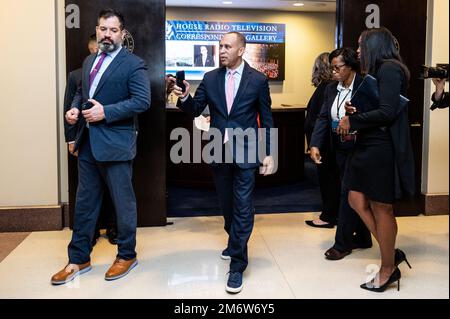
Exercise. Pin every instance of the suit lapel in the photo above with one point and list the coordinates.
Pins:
(246, 74)
(221, 84)
(118, 60)
(86, 73)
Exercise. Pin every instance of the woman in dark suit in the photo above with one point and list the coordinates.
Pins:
(381, 167)
(328, 174)
(351, 232)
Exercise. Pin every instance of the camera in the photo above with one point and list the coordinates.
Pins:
(438, 72)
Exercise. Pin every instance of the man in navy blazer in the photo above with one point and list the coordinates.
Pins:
(235, 94)
(117, 84)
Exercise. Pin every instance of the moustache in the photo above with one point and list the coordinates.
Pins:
(106, 40)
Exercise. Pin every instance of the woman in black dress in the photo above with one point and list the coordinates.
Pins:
(381, 167)
(327, 173)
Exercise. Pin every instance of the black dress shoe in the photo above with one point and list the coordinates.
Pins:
(400, 257)
(311, 223)
(112, 236)
(334, 254)
(395, 277)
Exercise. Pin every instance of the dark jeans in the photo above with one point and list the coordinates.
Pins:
(351, 230)
(93, 178)
(235, 191)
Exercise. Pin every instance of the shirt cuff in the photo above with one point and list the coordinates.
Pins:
(184, 99)
(71, 142)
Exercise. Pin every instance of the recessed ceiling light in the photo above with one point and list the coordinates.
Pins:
(298, 4)
(227, 2)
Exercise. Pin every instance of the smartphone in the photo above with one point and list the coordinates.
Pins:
(86, 106)
(180, 78)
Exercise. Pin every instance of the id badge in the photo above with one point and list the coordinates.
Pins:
(334, 125)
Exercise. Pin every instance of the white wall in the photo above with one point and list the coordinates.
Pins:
(28, 121)
(435, 164)
(307, 35)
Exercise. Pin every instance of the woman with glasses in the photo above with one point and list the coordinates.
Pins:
(351, 232)
(381, 167)
(327, 173)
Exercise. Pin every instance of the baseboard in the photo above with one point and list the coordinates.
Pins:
(28, 219)
(436, 205)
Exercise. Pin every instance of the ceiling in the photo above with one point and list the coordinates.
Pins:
(282, 5)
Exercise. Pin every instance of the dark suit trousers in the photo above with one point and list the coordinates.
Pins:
(329, 184)
(350, 230)
(93, 178)
(235, 191)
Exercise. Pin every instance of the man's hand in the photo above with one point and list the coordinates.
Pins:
(95, 113)
(344, 126)
(349, 108)
(440, 85)
(314, 153)
(177, 90)
(72, 148)
(268, 166)
(72, 116)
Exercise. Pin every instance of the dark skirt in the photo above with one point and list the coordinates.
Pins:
(371, 171)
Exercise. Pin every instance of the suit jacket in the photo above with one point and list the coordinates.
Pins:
(124, 92)
(208, 62)
(73, 82)
(389, 113)
(313, 109)
(252, 98)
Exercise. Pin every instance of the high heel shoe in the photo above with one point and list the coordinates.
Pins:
(395, 277)
(400, 257)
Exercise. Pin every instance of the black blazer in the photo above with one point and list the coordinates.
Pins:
(73, 82)
(322, 136)
(387, 113)
(313, 109)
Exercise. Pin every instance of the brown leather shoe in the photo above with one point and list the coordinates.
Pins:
(120, 268)
(334, 254)
(69, 273)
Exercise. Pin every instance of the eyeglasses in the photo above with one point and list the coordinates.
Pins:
(337, 68)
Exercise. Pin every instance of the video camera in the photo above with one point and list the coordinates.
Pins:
(438, 72)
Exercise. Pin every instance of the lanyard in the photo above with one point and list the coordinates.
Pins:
(340, 104)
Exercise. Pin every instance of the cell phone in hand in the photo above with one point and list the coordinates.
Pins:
(180, 78)
(86, 106)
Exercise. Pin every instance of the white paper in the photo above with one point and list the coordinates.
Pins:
(201, 123)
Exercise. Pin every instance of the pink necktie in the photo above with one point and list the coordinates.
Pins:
(230, 97)
(96, 69)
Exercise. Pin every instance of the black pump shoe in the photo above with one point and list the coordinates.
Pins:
(400, 257)
(395, 277)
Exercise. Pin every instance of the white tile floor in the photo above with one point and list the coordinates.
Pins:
(183, 261)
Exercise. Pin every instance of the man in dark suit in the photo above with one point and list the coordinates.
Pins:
(235, 94)
(70, 131)
(116, 84)
(204, 58)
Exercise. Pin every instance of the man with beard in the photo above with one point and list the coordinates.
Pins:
(115, 88)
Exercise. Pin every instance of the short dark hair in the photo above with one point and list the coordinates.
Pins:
(348, 55)
(240, 36)
(108, 13)
(92, 38)
(379, 45)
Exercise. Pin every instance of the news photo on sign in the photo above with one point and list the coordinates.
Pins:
(193, 46)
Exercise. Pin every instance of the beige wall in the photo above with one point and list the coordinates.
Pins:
(307, 35)
(435, 165)
(28, 127)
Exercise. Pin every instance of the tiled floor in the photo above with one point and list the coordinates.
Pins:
(183, 261)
